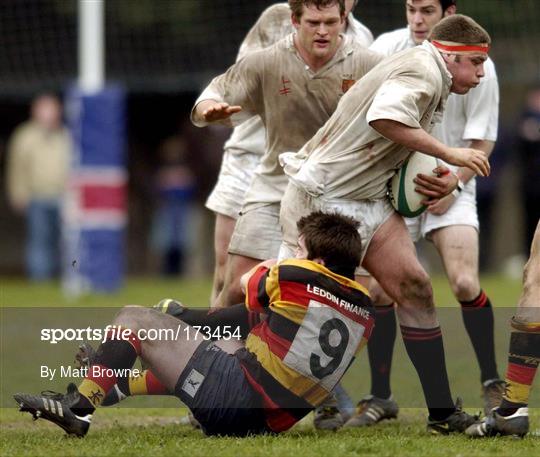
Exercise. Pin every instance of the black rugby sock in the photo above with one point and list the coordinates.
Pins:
(479, 323)
(381, 349)
(426, 351)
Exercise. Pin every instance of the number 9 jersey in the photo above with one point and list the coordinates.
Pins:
(317, 321)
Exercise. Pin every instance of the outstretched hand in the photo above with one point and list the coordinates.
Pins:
(220, 111)
(475, 159)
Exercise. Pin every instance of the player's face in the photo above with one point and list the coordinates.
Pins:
(466, 70)
(422, 15)
(318, 31)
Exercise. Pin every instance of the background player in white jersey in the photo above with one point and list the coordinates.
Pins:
(294, 86)
(246, 145)
(346, 165)
(451, 224)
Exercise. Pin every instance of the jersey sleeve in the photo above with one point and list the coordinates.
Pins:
(257, 298)
(402, 98)
(239, 85)
(382, 45)
(481, 109)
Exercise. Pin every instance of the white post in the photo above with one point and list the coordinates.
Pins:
(91, 45)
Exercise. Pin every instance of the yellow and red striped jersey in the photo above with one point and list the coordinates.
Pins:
(316, 323)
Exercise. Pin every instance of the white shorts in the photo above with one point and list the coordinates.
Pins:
(462, 212)
(297, 203)
(257, 233)
(236, 171)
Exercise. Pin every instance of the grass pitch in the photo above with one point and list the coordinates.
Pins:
(141, 428)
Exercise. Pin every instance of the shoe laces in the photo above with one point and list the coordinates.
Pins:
(364, 404)
(52, 395)
(71, 390)
(327, 411)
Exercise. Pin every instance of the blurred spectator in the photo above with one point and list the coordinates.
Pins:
(38, 157)
(529, 162)
(175, 189)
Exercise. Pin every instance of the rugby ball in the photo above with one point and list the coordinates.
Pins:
(403, 197)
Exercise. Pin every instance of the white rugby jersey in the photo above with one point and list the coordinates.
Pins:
(347, 159)
(292, 100)
(473, 116)
(274, 24)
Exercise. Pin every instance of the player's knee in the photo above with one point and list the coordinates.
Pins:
(133, 316)
(378, 295)
(416, 289)
(465, 287)
(531, 278)
(526, 320)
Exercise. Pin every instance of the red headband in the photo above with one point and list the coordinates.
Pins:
(452, 47)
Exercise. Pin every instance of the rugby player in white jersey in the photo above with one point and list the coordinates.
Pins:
(346, 165)
(294, 86)
(451, 224)
(246, 146)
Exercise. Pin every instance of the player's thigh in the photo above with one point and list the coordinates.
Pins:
(391, 259)
(237, 265)
(215, 388)
(455, 233)
(458, 248)
(231, 292)
(167, 343)
(295, 204)
(224, 228)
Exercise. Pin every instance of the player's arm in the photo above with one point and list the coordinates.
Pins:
(212, 111)
(466, 174)
(399, 105)
(417, 139)
(232, 97)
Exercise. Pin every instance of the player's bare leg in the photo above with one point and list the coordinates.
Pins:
(231, 292)
(512, 417)
(223, 230)
(166, 356)
(458, 248)
(391, 259)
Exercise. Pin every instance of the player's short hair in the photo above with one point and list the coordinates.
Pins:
(297, 6)
(333, 238)
(460, 29)
(445, 4)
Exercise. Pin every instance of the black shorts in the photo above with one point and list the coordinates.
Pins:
(213, 386)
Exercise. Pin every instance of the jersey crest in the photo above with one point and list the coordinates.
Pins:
(346, 84)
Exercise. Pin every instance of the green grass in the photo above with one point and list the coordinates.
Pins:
(139, 428)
